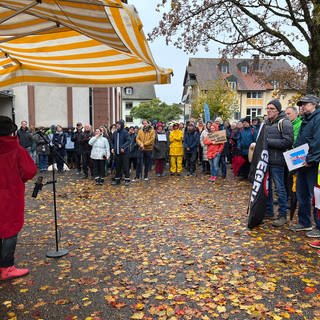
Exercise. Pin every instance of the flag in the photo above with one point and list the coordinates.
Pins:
(206, 112)
(259, 177)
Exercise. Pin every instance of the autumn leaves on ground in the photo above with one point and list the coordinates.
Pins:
(170, 248)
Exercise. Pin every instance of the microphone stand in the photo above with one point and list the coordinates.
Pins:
(57, 253)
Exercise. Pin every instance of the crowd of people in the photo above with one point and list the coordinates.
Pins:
(129, 154)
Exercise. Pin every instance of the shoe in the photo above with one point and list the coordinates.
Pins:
(315, 233)
(212, 179)
(13, 272)
(188, 174)
(279, 222)
(270, 217)
(300, 227)
(315, 244)
(97, 179)
(127, 183)
(158, 175)
(172, 173)
(178, 174)
(193, 174)
(115, 182)
(146, 179)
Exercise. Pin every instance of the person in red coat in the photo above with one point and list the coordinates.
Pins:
(214, 151)
(17, 167)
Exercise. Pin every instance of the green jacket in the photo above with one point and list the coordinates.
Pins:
(296, 124)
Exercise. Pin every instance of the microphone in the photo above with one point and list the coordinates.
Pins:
(37, 187)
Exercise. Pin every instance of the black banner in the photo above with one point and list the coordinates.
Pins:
(259, 176)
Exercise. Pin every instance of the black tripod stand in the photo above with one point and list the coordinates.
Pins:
(57, 253)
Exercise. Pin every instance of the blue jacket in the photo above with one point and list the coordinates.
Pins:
(246, 137)
(310, 133)
(191, 140)
(120, 140)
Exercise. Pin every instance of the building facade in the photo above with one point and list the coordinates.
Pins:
(44, 106)
(246, 76)
(132, 96)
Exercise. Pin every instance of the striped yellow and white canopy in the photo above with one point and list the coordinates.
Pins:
(88, 43)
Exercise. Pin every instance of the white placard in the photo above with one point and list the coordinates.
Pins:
(317, 197)
(296, 158)
(162, 137)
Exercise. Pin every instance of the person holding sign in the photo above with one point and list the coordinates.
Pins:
(160, 149)
(307, 175)
(215, 144)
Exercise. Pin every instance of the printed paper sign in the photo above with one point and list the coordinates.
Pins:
(296, 158)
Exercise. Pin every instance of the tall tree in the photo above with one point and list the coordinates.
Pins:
(221, 99)
(156, 110)
(272, 27)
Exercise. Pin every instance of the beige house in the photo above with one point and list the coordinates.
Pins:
(242, 76)
(132, 96)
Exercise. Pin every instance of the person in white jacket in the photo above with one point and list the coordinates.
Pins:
(100, 152)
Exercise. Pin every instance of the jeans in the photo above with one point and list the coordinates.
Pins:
(276, 176)
(214, 165)
(43, 161)
(144, 157)
(306, 180)
(7, 249)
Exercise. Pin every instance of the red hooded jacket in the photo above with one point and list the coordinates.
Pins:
(213, 149)
(16, 168)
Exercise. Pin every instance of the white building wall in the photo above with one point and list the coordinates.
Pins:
(80, 105)
(50, 106)
(20, 104)
(126, 112)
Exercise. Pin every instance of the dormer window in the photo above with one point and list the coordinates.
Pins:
(128, 91)
(244, 69)
(224, 68)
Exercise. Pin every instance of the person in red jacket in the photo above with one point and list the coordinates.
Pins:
(17, 167)
(213, 152)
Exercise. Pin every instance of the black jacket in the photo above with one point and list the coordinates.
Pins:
(25, 137)
(279, 139)
(120, 140)
(310, 133)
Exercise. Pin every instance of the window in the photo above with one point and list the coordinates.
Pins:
(129, 118)
(237, 116)
(224, 68)
(128, 90)
(244, 69)
(254, 112)
(254, 95)
(129, 105)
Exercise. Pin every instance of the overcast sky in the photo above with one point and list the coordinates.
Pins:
(166, 56)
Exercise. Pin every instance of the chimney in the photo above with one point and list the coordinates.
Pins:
(255, 64)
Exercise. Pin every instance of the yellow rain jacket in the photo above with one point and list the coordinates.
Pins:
(176, 148)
